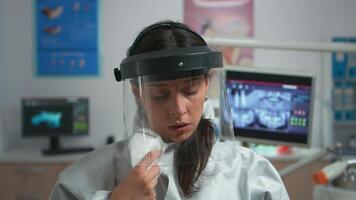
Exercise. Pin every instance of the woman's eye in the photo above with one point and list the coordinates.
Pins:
(160, 97)
(190, 92)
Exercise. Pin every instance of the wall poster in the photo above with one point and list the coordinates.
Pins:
(226, 18)
(66, 37)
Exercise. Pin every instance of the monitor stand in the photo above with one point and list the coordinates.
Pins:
(55, 148)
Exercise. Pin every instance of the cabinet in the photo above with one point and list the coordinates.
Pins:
(344, 95)
(28, 181)
(300, 184)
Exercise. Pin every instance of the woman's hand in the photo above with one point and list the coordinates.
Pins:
(140, 183)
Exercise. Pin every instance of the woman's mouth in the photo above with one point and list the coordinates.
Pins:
(179, 127)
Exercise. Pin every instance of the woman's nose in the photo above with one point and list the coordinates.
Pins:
(178, 106)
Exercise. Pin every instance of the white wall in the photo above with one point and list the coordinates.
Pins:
(2, 74)
(302, 20)
(120, 21)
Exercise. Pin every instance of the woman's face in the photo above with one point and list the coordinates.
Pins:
(174, 107)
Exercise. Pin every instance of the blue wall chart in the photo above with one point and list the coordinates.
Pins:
(67, 37)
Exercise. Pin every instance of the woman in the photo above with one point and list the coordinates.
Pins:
(175, 150)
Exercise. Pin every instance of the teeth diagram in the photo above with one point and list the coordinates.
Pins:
(52, 13)
(53, 30)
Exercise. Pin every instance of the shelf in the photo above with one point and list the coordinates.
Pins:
(344, 124)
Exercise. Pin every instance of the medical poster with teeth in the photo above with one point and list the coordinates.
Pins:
(223, 18)
(67, 38)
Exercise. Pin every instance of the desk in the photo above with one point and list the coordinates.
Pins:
(35, 156)
(299, 183)
(27, 174)
(330, 192)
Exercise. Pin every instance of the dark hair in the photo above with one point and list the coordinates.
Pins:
(193, 154)
(165, 35)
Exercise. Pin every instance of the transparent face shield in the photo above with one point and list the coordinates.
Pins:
(177, 113)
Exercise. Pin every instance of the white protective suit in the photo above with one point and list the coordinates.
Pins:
(247, 177)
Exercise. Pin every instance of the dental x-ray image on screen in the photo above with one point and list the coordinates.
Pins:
(270, 108)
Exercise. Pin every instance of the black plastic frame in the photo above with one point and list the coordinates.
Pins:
(169, 61)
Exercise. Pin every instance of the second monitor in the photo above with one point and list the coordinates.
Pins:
(56, 117)
(271, 107)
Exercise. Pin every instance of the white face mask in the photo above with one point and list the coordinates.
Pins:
(142, 142)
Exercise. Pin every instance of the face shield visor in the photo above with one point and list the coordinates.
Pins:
(174, 99)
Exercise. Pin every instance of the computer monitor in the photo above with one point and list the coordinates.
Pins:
(55, 117)
(271, 108)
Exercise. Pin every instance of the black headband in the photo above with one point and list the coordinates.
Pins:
(168, 62)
